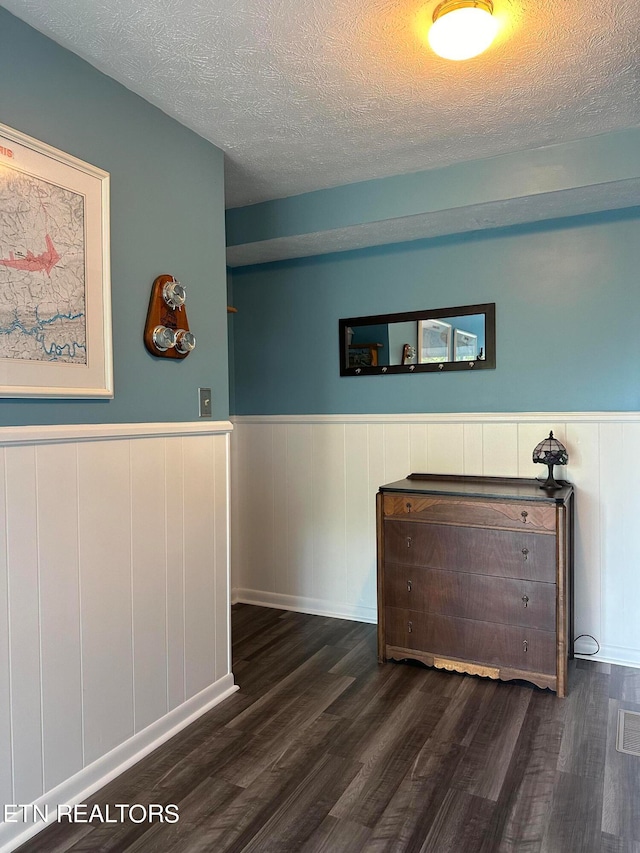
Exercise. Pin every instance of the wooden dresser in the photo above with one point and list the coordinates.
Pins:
(475, 575)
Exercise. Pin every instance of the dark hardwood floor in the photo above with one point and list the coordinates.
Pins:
(322, 749)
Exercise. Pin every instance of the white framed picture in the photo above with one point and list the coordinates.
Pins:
(55, 288)
(434, 341)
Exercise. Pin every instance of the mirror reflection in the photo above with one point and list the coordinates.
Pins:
(452, 338)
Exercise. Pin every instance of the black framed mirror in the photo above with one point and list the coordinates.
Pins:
(432, 341)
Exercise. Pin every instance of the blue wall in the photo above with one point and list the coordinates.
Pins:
(567, 318)
(167, 216)
(583, 163)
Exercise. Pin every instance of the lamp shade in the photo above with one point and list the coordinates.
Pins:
(462, 28)
(550, 452)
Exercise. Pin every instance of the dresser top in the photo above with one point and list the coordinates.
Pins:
(510, 488)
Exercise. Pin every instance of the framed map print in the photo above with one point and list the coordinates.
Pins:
(55, 289)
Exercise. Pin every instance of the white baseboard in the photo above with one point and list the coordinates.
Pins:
(301, 604)
(79, 787)
(615, 655)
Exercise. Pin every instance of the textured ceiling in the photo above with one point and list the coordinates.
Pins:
(313, 94)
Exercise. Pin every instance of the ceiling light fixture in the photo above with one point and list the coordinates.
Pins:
(462, 28)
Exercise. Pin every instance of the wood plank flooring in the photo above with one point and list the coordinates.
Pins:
(323, 750)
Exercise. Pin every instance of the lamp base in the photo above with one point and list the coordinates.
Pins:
(550, 484)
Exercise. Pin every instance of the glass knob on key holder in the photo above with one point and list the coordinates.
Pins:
(174, 294)
(163, 338)
(185, 341)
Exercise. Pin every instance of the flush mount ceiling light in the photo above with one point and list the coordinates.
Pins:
(462, 28)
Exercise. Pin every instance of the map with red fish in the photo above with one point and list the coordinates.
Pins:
(42, 270)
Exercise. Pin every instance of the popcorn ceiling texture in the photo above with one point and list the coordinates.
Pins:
(307, 95)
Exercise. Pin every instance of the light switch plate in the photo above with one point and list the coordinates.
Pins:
(204, 400)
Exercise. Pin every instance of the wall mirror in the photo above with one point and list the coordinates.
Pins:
(461, 338)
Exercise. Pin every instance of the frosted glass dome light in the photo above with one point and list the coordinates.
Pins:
(462, 28)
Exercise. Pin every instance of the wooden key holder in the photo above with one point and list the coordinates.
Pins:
(166, 332)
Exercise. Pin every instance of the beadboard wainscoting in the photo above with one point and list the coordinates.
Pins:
(303, 505)
(114, 601)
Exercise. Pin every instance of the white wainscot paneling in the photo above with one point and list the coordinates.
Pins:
(304, 486)
(57, 467)
(105, 535)
(149, 580)
(446, 448)
(298, 512)
(359, 517)
(174, 533)
(619, 513)
(114, 601)
(584, 472)
(329, 511)
(199, 576)
(23, 581)
(6, 761)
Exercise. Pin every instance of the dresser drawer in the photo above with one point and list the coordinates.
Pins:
(471, 640)
(513, 602)
(503, 553)
(499, 514)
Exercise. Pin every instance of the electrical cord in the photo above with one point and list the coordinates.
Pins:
(591, 637)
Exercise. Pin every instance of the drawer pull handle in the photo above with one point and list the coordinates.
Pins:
(409, 586)
(525, 645)
(525, 551)
(525, 599)
(524, 515)
(409, 505)
(409, 541)
(411, 627)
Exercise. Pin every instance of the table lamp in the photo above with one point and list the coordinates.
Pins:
(550, 452)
